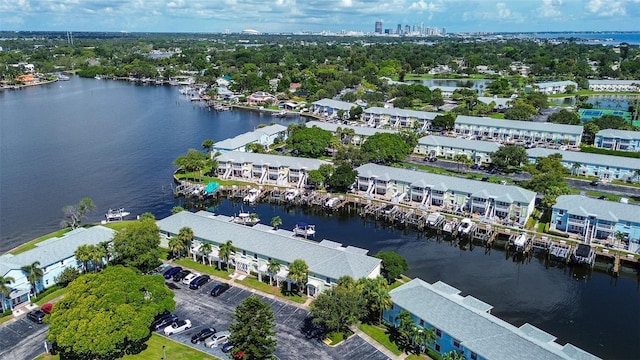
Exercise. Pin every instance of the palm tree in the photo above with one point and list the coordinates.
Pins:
(636, 174)
(185, 235)
(34, 274)
(405, 324)
(106, 250)
(224, 253)
(206, 250)
(97, 257)
(376, 295)
(208, 145)
(299, 273)
(422, 337)
(176, 246)
(273, 267)
(83, 254)
(575, 168)
(453, 355)
(4, 289)
(276, 221)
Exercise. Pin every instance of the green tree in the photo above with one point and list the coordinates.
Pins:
(73, 215)
(386, 148)
(137, 245)
(462, 159)
(83, 254)
(34, 275)
(97, 256)
(107, 315)
(453, 355)
(337, 308)
(205, 249)
(375, 294)
(393, 265)
(309, 142)
(276, 221)
(315, 177)
(565, 117)
(509, 156)
(67, 276)
(252, 330)
(176, 209)
(444, 122)
(343, 177)
(185, 234)
(176, 246)
(4, 289)
(273, 267)
(194, 161)
(224, 253)
(207, 145)
(299, 273)
(355, 112)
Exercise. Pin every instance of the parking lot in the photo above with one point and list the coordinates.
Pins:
(22, 339)
(291, 322)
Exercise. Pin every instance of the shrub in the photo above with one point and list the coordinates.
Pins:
(46, 292)
(335, 337)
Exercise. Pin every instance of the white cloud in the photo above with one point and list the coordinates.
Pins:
(425, 6)
(607, 8)
(502, 10)
(549, 8)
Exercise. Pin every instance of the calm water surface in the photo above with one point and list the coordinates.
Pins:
(115, 143)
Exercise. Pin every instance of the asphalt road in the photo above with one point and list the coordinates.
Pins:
(22, 339)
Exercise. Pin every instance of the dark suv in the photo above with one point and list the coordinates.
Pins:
(36, 316)
(219, 289)
(169, 273)
(162, 321)
(179, 276)
(199, 281)
(202, 335)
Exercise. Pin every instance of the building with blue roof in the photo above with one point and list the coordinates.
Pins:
(54, 255)
(494, 202)
(620, 140)
(265, 136)
(465, 325)
(330, 107)
(257, 245)
(598, 220)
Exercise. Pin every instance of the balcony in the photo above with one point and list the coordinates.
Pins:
(575, 222)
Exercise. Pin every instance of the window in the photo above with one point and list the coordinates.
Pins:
(438, 333)
(421, 322)
(255, 256)
(46, 282)
(474, 356)
(244, 252)
(437, 347)
(328, 280)
(456, 343)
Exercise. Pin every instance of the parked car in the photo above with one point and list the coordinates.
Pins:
(219, 289)
(179, 276)
(228, 346)
(36, 316)
(474, 166)
(199, 281)
(218, 339)
(202, 335)
(46, 308)
(594, 183)
(168, 274)
(177, 327)
(189, 278)
(163, 321)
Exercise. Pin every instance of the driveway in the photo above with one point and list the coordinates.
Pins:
(294, 342)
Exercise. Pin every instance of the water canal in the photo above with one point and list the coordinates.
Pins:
(115, 143)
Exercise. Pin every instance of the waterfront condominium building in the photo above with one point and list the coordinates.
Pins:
(493, 202)
(448, 147)
(621, 140)
(266, 168)
(518, 132)
(398, 118)
(256, 246)
(358, 134)
(54, 255)
(555, 87)
(598, 220)
(465, 325)
(264, 136)
(605, 167)
(330, 107)
(615, 85)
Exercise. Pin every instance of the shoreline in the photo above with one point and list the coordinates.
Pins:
(20, 87)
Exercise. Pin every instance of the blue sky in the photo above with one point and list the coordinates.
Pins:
(314, 15)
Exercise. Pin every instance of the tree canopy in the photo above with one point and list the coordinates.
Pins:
(386, 148)
(342, 178)
(509, 156)
(73, 215)
(309, 142)
(252, 330)
(107, 315)
(137, 245)
(393, 265)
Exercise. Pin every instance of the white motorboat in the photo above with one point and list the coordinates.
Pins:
(332, 203)
(116, 214)
(304, 229)
(466, 226)
(291, 194)
(245, 218)
(252, 196)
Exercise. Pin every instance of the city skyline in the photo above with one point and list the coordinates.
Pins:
(314, 16)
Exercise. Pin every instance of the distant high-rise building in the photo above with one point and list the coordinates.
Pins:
(407, 29)
(444, 31)
(379, 27)
(399, 31)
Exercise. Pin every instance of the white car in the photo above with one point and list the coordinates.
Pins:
(187, 279)
(218, 339)
(177, 327)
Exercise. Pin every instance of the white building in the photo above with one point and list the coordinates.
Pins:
(398, 118)
(264, 136)
(448, 147)
(257, 245)
(615, 85)
(555, 87)
(330, 107)
(621, 140)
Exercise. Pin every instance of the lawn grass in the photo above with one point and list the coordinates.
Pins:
(379, 334)
(496, 115)
(202, 268)
(154, 350)
(418, 357)
(32, 244)
(4, 319)
(118, 225)
(52, 296)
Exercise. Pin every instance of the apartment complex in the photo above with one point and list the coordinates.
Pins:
(265, 136)
(615, 85)
(621, 140)
(448, 147)
(398, 118)
(605, 167)
(359, 135)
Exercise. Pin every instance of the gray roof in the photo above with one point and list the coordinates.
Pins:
(507, 193)
(56, 249)
(477, 330)
(613, 82)
(603, 209)
(499, 101)
(587, 158)
(422, 115)
(520, 125)
(249, 137)
(555, 83)
(335, 104)
(359, 130)
(622, 134)
(476, 145)
(268, 159)
(324, 259)
(446, 88)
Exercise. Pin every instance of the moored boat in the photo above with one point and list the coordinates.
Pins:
(304, 229)
(116, 214)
